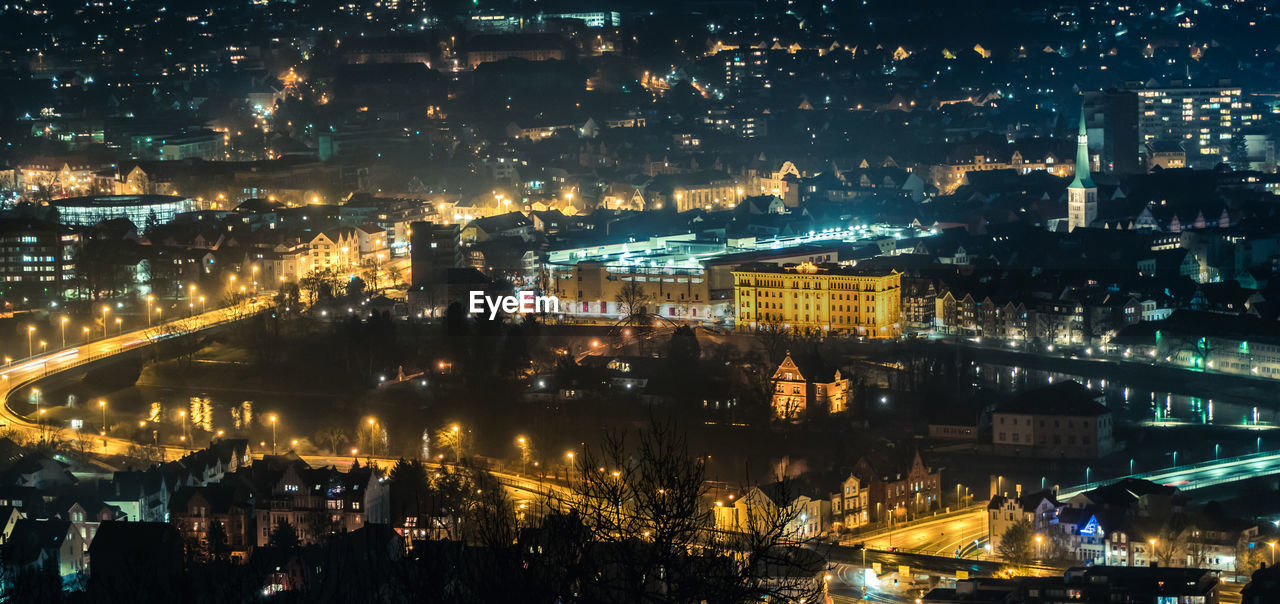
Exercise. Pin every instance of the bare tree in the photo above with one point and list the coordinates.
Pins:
(633, 302)
(1017, 544)
(776, 338)
(334, 435)
(650, 533)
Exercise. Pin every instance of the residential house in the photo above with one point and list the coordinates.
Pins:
(898, 488)
(1062, 420)
(37, 544)
(815, 388)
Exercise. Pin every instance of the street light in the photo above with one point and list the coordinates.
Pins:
(119, 325)
(523, 443)
(273, 434)
(150, 299)
(102, 404)
(457, 442)
(86, 334)
(202, 309)
(183, 415)
(62, 326)
(373, 433)
(43, 346)
(1272, 545)
(31, 330)
(105, 309)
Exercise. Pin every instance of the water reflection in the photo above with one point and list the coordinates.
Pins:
(1131, 403)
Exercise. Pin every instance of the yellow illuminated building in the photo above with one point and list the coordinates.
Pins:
(809, 298)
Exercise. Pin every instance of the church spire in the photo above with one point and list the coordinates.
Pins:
(1082, 180)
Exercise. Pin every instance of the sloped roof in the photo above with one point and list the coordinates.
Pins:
(1064, 398)
(30, 537)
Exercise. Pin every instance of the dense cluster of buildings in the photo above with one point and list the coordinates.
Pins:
(1132, 522)
(879, 488)
(52, 516)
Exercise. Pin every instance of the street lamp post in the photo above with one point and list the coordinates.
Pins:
(183, 415)
(150, 299)
(31, 330)
(1272, 545)
(86, 334)
(202, 308)
(43, 346)
(457, 443)
(105, 309)
(62, 326)
(273, 419)
(102, 404)
(523, 443)
(119, 325)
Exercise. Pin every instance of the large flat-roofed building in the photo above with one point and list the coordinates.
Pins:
(85, 211)
(588, 273)
(595, 288)
(530, 47)
(819, 298)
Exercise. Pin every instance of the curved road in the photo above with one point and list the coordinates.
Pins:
(22, 373)
(942, 536)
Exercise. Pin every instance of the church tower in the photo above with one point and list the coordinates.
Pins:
(1082, 194)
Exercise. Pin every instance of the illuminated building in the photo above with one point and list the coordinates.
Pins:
(948, 176)
(902, 487)
(810, 298)
(139, 209)
(1204, 119)
(594, 288)
(346, 249)
(36, 255)
(1082, 194)
(816, 388)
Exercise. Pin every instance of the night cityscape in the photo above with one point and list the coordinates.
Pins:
(687, 301)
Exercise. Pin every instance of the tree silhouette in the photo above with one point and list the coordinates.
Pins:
(633, 303)
(217, 547)
(1016, 544)
(284, 536)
